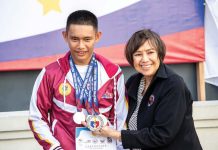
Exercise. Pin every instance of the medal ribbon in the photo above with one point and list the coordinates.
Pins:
(87, 89)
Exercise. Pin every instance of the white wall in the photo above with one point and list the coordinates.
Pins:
(15, 133)
(206, 122)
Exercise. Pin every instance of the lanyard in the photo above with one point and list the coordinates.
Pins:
(86, 90)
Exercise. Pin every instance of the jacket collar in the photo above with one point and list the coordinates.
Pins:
(109, 67)
(162, 73)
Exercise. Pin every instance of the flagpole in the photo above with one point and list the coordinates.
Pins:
(200, 81)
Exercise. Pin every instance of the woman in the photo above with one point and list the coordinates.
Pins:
(160, 104)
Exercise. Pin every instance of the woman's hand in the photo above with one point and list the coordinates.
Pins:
(106, 131)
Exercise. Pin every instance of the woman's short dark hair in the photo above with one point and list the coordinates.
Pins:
(82, 17)
(139, 38)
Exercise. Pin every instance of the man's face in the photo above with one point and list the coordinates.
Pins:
(81, 40)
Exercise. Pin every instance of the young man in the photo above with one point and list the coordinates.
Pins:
(81, 83)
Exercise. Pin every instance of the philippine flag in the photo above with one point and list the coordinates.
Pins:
(31, 30)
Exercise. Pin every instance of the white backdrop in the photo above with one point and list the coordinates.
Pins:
(23, 18)
(211, 42)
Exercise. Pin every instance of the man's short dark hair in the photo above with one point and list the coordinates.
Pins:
(82, 17)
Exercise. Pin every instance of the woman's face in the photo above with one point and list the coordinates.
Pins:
(146, 60)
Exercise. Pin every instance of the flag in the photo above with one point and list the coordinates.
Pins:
(211, 44)
(31, 33)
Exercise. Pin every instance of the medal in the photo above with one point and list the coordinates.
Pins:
(86, 89)
(95, 122)
(78, 117)
(104, 119)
